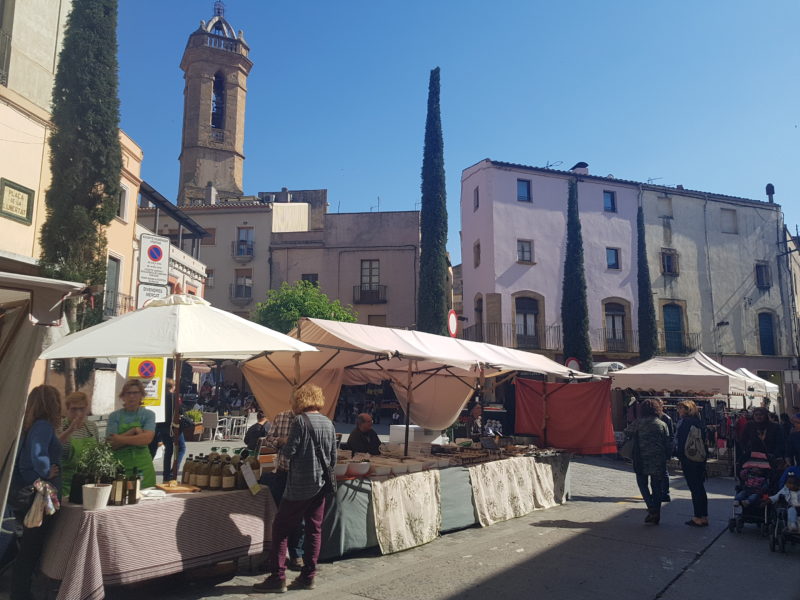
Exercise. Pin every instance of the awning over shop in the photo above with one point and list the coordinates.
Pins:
(694, 374)
(436, 374)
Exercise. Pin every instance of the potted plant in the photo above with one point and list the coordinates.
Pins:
(193, 432)
(98, 465)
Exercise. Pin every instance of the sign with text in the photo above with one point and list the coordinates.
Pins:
(153, 259)
(150, 371)
(147, 292)
(16, 202)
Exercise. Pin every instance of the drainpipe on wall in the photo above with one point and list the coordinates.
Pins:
(715, 331)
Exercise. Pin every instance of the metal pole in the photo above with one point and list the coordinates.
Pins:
(176, 419)
(409, 398)
(544, 413)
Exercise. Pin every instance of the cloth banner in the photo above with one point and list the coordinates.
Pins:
(407, 510)
(578, 415)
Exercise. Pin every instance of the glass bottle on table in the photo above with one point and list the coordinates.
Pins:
(228, 475)
(134, 486)
(203, 472)
(187, 470)
(118, 488)
(215, 475)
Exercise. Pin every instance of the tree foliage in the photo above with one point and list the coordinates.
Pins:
(85, 155)
(574, 309)
(433, 292)
(646, 314)
(285, 306)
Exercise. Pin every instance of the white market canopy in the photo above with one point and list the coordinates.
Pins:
(178, 325)
(772, 389)
(437, 373)
(695, 374)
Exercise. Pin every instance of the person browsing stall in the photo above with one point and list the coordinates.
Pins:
(130, 431)
(276, 436)
(363, 438)
(256, 431)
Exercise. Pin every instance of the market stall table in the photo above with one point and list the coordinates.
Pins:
(154, 538)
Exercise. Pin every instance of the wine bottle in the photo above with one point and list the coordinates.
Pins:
(203, 475)
(228, 476)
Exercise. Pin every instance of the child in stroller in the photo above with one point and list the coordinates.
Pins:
(755, 478)
(784, 525)
(754, 485)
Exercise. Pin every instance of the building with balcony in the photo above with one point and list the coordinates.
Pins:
(720, 279)
(369, 260)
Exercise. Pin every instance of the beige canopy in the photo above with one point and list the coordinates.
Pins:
(696, 374)
(435, 374)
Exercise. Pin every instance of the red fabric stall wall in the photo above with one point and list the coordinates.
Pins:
(579, 414)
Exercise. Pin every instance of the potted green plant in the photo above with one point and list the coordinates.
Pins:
(98, 464)
(193, 434)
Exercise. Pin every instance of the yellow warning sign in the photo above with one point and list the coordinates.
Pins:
(150, 371)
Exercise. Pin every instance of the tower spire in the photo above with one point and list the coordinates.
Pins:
(219, 8)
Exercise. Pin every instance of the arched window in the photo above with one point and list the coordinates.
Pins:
(218, 102)
(766, 333)
(615, 327)
(527, 317)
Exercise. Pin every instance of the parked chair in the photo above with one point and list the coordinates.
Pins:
(210, 425)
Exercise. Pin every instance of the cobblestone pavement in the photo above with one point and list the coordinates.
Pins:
(594, 547)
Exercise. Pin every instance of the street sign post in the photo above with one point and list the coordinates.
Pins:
(452, 323)
(153, 259)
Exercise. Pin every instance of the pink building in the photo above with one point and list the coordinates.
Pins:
(513, 241)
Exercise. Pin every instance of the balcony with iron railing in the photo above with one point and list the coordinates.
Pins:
(219, 42)
(243, 251)
(603, 341)
(115, 304)
(241, 294)
(369, 293)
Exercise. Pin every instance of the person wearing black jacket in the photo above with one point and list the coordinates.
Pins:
(671, 429)
(363, 438)
(256, 431)
(761, 435)
(693, 472)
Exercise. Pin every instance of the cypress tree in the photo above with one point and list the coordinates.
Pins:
(574, 309)
(432, 300)
(85, 154)
(648, 345)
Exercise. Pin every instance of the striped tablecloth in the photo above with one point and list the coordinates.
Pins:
(118, 545)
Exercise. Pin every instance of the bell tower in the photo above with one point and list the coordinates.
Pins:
(215, 67)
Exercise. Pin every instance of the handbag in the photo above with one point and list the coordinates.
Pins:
(328, 474)
(20, 499)
(628, 447)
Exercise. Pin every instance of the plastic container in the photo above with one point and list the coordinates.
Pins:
(340, 469)
(95, 496)
(399, 468)
(379, 469)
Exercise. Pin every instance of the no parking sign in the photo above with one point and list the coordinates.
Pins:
(154, 259)
(150, 371)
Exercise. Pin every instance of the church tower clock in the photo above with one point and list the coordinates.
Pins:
(215, 67)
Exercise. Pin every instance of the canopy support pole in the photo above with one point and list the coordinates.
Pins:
(409, 399)
(544, 413)
(175, 427)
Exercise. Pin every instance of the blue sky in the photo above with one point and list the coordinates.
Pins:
(703, 94)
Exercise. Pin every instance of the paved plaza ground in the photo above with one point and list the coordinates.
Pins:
(595, 547)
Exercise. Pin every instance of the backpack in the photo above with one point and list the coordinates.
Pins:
(695, 449)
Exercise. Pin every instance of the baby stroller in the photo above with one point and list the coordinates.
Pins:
(756, 480)
(780, 533)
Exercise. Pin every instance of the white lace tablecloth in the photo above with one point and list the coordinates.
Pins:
(407, 509)
(118, 545)
(513, 487)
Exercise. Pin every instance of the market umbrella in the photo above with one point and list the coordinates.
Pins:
(180, 326)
